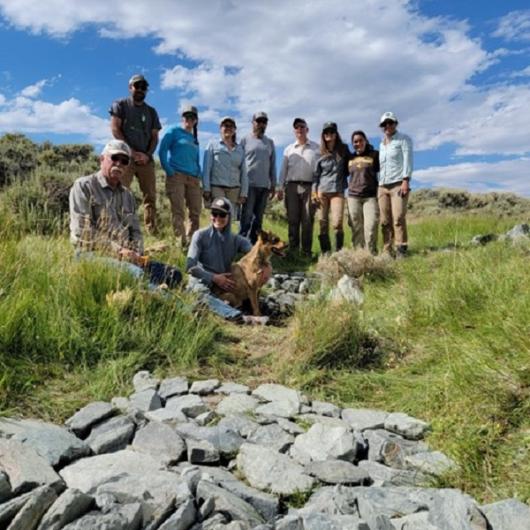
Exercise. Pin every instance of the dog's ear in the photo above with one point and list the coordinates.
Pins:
(264, 236)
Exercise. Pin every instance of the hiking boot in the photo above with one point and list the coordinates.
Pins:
(325, 243)
(401, 252)
(339, 240)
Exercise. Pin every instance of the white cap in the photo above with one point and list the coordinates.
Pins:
(117, 146)
(388, 116)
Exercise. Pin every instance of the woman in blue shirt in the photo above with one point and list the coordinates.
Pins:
(179, 156)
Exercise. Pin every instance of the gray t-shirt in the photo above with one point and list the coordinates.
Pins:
(138, 122)
(260, 157)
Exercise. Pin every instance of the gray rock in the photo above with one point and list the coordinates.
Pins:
(272, 436)
(391, 448)
(83, 419)
(304, 287)
(521, 231)
(126, 518)
(9, 509)
(482, 239)
(382, 475)
(191, 405)
(165, 415)
(232, 388)
(205, 418)
(321, 442)
(216, 522)
(290, 426)
(325, 409)
(70, 505)
(290, 522)
(120, 403)
(56, 444)
(145, 400)
(409, 427)
(143, 380)
(160, 441)
(431, 462)
(111, 435)
(332, 500)
(274, 392)
(30, 514)
(88, 473)
(337, 472)
(237, 404)
(5, 488)
(415, 521)
(175, 386)
(182, 519)
(282, 409)
(348, 289)
(228, 503)
(363, 419)
(203, 388)
(507, 515)
(25, 468)
(238, 423)
(325, 420)
(202, 452)
(454, 510)
(267, 469)
(225, 440)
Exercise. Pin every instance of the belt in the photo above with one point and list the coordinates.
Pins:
(300, 182)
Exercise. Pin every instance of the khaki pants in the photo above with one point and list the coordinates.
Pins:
(393, 209)
(331, 203)
(364, 219)
(184, 191)
(147, 180)
(232, 194)
(300, 215)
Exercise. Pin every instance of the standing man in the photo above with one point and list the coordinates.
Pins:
(395, 159)
(135, 122)
(260, 158)
(296, 178)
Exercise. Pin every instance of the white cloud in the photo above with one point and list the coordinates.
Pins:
(514, 26)
(32, 91)
(525, 72)
(2, 100)
(506, 175)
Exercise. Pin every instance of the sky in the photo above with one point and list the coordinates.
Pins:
(455, 73)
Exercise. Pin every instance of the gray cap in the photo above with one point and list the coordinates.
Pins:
(299, 121)
(189, 109)
(388, 116)
(115, 147)
(136, 78)
(222, 204)
(260, 114)
(227, 118)
(329, 125)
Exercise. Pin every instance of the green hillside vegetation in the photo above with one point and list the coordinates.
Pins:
(443, 335)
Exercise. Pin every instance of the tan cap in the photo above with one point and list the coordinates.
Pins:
(115, 147)
(189, 109)
(227, 118)
(222, 204)
(260, 114)
(136, 78)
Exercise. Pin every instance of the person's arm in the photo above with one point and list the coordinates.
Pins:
(272, 170)
(136, 232)
(81, 229)
(193, 265)
(283, 175)
(407, 165)
(207, 166)
(153, 142)
(116, 127)
(163, 152)
(243, 194)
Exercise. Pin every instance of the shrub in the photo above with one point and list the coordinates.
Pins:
(18, 158)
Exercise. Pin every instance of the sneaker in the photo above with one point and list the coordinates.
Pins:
(402, 252)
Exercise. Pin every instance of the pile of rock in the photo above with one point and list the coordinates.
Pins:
(216, 456)
(519, 233)
(283, 291)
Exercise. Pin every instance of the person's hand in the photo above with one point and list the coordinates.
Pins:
(207, 196)
(140, 158)
(131, 256)
(224, 281)
(279, 195)
(241, 200)
(315, 199)
(405, 188)
(272, 192)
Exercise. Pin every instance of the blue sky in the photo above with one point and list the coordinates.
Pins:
(456, 73)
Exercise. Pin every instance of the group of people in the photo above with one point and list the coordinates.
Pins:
(239, 177)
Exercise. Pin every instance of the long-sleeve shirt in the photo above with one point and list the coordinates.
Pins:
(299, 162)
(331, 173)
(212, 252)
(102, 216)
(260, 157)
(395, 159)
(224, 167)
(179, 152)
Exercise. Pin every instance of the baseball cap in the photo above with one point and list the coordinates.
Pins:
(260, 114)
(388, 116)
(117, 146)
(189, 109)
(227, 118)
(329, 125)
(300, 121)
(221, 204)
(137, 77)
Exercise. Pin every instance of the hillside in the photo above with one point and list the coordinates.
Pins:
(443, 335)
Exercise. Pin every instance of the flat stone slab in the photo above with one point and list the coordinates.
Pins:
(202, 452)
(160, 441)
(338, 472)
(28, 517)
(382, 475)
(409, 427)
(282, 409)
(191, 405)
(363, 419)
(232, 388)
(272, 436)
(175, 386)
(274, 392)
(391, 448)
(5, 488)
(84, 418)
(68, 507)
(56, 444)
(143, 380)
(182, 519)
(237, 404)
(111, 435)
(145, 400)
(268, 470)
(126, 517)
(325, 409)
(238, 423)
(507, 515)
(203, 388)
(225, 440)
(25, 468)
(9, 509)
(432, 462)
(325, 420)
(169, 416)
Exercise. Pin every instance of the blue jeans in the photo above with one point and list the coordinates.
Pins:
(252, 213)
(216, 305)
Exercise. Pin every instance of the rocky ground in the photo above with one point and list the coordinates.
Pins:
(211, 456)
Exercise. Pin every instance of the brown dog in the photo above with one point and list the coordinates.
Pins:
(248, 272)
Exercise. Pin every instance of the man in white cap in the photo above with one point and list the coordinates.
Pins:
(103, 218)
(395, 159)
(135, 122)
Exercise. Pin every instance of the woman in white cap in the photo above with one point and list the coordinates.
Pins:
(224, 168)
(395, 160)
(179, 156)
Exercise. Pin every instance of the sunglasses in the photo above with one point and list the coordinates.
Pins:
(361, 141)
(262, 120)
(228, 125)
(330, 131)
(122, 159)
(140, 86)
(216, 213)
(189, 116)
(387, 123)
(300, 126)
